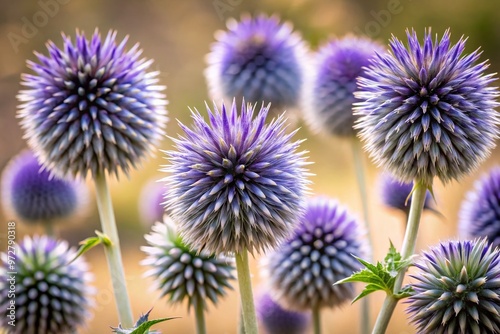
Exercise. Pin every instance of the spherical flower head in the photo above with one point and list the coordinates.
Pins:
(457, 288)
(394, 194)
(277, 320)
(302, 271)
(427, 110)
(480, 212)
(91, 106)
(259, 59)
(181, 273)
(31, 195)
(52, 295)
(330, 96)
(151, 200)
(236, 183)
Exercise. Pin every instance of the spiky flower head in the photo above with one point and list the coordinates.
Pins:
(52, 295)
(330, 96)
(302, 271)
(427, 110)
(31, 195)
(151, 200)
(480, 212)
(236, 182)
(277, 320)
(457, 288)
(259, 59)
(394, 194)
(91, 106)
(181, 273)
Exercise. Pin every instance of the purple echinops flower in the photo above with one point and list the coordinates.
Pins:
(52, 295)
(394, 194)
(456, 289)
(274, 319)
(151, 200)
(330, 95)
(235, 182)
(258, 59)
(31, 195)
(302, 271)
(184, 274)
(427, 110)
(91, 106)
(480, 212)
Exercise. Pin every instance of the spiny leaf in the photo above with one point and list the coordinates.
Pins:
(145, 326)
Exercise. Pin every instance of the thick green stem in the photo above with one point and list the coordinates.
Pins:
(407, 250)
(247, 304)
(113, 254)
(200, 317)
(316, 318)
(241, 323)
(357, 154)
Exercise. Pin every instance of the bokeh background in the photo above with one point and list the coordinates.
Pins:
(178, 34)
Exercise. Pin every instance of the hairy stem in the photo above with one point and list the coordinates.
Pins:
(407, 250)
(113, 254)
(247, 304)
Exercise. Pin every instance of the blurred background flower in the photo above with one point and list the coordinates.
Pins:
(151, 200)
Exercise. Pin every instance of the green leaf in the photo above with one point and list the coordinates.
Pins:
(407, 291)
(145, 326)
(142, 325)
(91, 242)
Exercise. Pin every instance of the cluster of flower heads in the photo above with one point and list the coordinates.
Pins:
(330, 95)
(480, 212)
(31, 195)
(302, 271)
(52, 294)
(182, 273)
(457, 289)
(92, 106)
(235, 182)
(427, 110)
(258, 59)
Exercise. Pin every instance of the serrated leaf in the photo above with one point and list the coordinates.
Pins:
(145, 326)
(407, 291)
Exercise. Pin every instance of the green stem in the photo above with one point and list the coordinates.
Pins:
(316, 317)
(407, 250)
(113, 254)
(200, 317)
(360, 175)
(49, 229)
(247, 304)
(241, 323)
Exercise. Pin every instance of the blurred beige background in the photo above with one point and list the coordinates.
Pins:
(177, 34)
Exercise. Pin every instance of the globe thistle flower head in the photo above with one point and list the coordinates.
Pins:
(181, 273)
(91, 106)
(302, 271)
(427, 110)
(52, 294)
(277, 320)
(259, 59)
(394, 194)
(151, 201)
(31, 195)
(480, 211)
(330, 96)
(235, 182)
(457, 288)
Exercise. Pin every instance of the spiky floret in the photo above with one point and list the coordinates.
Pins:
(427, 110)
(32, 196)
(457, 289)
(480, 212)
(181, 273)
(235, 182)
(91, 106)
(330, 95)
(52, 295)
(277, 320)
(394, 194)
(258, 59)
(302, 271)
